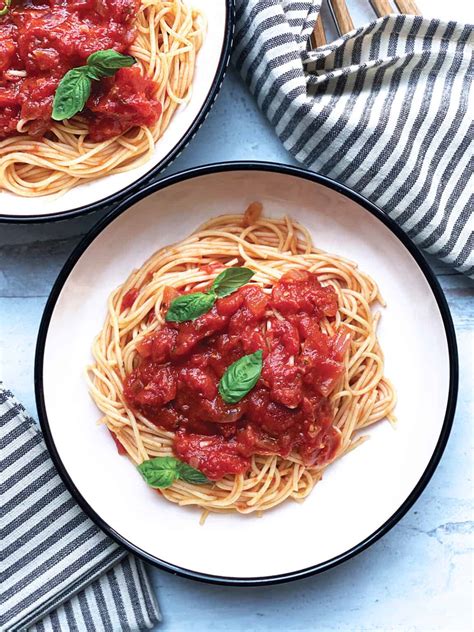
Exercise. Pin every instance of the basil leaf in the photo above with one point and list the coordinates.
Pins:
(71, 94)
(240, 377)
(230, 280)
(6, 7)
(190, 474)
(161, 471)
(190, 306)
(105, 63)
(75, 87)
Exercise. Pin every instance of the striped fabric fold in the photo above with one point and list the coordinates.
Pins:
(386, 109)
(59, 571)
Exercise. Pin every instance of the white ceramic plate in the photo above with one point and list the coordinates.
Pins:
(363, 494)
(211, 63)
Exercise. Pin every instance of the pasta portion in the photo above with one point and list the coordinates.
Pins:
(273, 249)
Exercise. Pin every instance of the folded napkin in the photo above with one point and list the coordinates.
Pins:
(385, 109)
(59, 571)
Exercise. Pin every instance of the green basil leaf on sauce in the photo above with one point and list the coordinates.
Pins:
(71, 94)
(230, 280)
(105, 63)
(240, 377)
(163, 471)
(190, 474)
(75, 87)
(6, 7)
(190, 306)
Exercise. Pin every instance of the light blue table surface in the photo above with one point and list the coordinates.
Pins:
(418, 577)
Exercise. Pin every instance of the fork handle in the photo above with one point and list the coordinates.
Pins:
(319, 35)
(381, 7)
(407, 6)
(341, 16)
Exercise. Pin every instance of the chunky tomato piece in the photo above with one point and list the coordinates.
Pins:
(191, 333)
(252, 339)
(300, 292)
(253, 440)
(163, 345)
(129, 298)
(283, 333)
(228, 305)
(321, 361)
(213, 456)
(255, 299)
(269, 415)
(7, 47)
(159, 390)
(121, 102)
(200, 381)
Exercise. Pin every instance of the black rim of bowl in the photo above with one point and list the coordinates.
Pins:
(170, 156)
(373, 210)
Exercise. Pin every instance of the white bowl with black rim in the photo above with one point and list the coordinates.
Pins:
(361, 495)
(211, 63)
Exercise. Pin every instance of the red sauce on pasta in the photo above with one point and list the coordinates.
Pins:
(41, 40)
(129, 299)
(176, 382)
(118, 444)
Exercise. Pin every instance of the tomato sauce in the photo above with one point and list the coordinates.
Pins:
(118, 444)
(129, 299)
(40, 40)
(175, 384)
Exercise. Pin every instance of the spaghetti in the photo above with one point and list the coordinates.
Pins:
(168, 37)
(271, 248)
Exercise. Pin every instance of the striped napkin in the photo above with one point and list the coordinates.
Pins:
(59, 572)
(385, 109)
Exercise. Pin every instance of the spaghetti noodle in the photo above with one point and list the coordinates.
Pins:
(271, 248)
(169, 35)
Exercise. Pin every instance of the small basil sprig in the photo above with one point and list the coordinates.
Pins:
(71, 94)
(75, 87)
(6, 7)
(230, 280)
(105, 63)
(240, 377)
(191, 306)
(163, 471)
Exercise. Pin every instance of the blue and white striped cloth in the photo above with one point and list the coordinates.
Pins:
(386, 109)
(58, 572)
